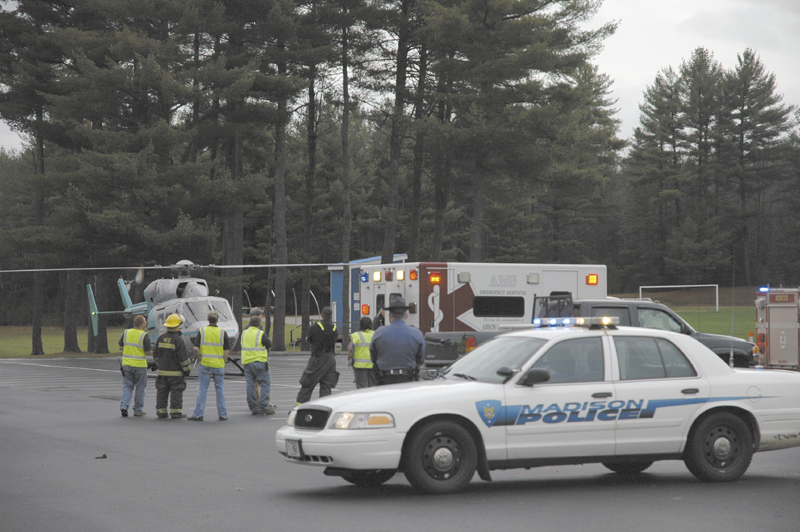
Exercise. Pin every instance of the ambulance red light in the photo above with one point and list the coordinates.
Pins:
(412, 275)
(388, 275)
(470, 343)
(365, 310)
(435, 278)
(592, 279)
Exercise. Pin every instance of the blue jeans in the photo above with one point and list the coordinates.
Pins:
(257, 372)
(204, 376)
(133, 377)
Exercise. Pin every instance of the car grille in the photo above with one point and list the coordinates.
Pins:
(311, 418)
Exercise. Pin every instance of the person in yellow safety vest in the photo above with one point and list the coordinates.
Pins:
(172, 359)
(135, 346)
(212, 346)
(358, 355)
(255, 354)
(321, 367)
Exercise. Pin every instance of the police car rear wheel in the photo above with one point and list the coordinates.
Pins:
(627, 468)
(719, 449)
(369, 479)
(441, 458)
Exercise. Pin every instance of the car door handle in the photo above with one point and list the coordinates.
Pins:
(600, 395)
(689, 391)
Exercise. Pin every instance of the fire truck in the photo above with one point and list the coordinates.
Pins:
(778, 327)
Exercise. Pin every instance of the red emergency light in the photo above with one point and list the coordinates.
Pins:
(435, 277)
(412, 275)
(592, 279)
(388, 275)
(365, 310)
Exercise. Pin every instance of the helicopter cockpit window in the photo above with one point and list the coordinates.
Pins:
(195, 311)
(223, 309)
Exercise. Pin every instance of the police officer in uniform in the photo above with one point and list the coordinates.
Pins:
(358, 354)
(255, 353)
(321, 367)
(397, 349)
(172, 359)
(135, 345)
(212, 345)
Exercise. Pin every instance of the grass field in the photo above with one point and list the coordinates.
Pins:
(15, 342)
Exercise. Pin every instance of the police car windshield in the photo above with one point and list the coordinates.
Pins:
(482, 363)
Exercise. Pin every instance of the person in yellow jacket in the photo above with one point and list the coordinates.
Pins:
(212, 346)
(255, 352)
(358, 356)
(135, 346)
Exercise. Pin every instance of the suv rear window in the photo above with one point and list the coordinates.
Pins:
(621, 312)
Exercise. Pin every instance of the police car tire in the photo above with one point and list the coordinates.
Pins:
(627, 468)
(719, 448)
(369, 479)
(441, 458)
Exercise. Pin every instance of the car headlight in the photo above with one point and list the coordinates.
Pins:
(290, 419)
(362, 420)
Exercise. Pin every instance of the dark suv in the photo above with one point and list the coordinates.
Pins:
(646, 313)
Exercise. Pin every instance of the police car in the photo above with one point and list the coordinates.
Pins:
(566, 394)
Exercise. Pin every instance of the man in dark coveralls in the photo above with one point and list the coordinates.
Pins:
(321, 368)
(172, 359)
(397, 349)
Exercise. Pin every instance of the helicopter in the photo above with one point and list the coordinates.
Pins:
(184, 295)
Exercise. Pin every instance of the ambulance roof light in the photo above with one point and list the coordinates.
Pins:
(412, 275)
(364, 277)
(592, 279)
(400, 275)
(435, 277)
(763, 289)
(376, 276)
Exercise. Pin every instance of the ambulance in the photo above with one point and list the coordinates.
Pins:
(463, 296)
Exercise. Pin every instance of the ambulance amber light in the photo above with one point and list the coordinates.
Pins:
(365, 310)
(412, 275)
(592, 279)
(435, 278)
(376, 276)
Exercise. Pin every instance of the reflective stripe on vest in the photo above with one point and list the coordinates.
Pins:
(361, 341)
(321, 326)
(212, 340)
(133, 349)
(252, 350)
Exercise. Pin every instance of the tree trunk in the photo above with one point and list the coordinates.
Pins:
(478, 201)
(38, 215)
(419, 156)
(71, 312)
(347, 216)
(308, 207)
(279, 207)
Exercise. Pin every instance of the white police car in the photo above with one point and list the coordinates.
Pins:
(624, 397)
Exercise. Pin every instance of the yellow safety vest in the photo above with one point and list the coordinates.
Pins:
(133, 348)
(361, 341)
(211, 347)
(252, 350)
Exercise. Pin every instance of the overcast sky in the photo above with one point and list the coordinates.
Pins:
(654, 34)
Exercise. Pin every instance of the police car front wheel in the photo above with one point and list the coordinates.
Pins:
(441, 457)
(719, 448)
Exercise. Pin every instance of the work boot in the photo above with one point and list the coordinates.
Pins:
(124, 412)
(270, 410)
(223, 418)
(192, 418)
(179, 415)
(162, 416)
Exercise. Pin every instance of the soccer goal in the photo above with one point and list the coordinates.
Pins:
(677, 287)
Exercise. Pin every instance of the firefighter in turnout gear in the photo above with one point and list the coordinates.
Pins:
(358, 355)
(135, 346)
(321, 367)
(172, 359)
(255, 352)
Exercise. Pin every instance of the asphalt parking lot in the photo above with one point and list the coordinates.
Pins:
(70, 462)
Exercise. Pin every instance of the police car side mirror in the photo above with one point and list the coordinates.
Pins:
(535, 376)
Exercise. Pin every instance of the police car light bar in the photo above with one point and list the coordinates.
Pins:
(599, 321)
